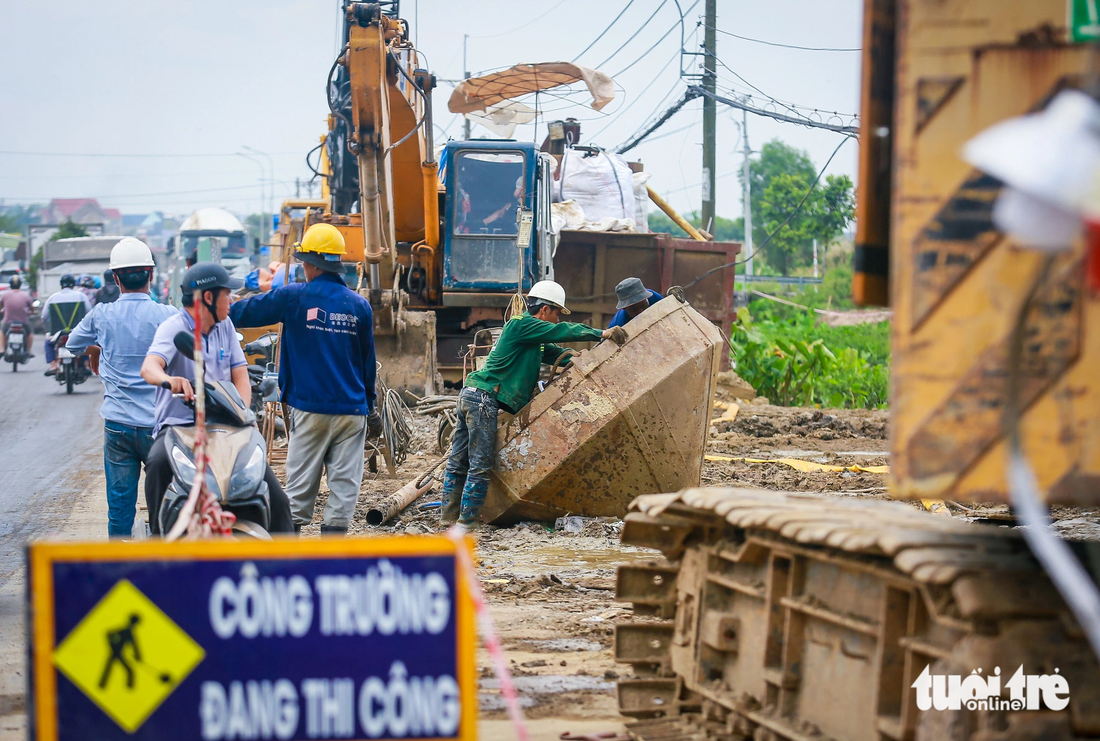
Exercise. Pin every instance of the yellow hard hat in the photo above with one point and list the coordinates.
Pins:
(323, 239)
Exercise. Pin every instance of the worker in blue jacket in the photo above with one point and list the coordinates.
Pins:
(634, 298)
(326, 375)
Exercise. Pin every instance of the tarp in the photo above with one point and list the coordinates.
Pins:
(799, 465)
(478, 93)
(502, 118)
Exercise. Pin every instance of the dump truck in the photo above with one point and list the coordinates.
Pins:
(793, 616)
(441, 240)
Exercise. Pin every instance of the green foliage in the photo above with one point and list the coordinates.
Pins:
(794, 361)
(68, 230)
(725, 230)
(780, 177)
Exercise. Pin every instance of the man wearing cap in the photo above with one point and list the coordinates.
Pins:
(117, 334)
(506, 382)
(326, 376)
(205, 287)
(634, 298)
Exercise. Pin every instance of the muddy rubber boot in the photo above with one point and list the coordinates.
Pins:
(333, 530)
(473, 497)
(452, 499)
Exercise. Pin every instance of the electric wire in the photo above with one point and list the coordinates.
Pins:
(650, 49)
(635, 34)
(520, 28)
(672, 111)
(801, 121)
(640, 95)
(604, 32)
(779, 228)
(782, 46)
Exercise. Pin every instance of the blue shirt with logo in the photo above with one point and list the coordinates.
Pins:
(327, 363)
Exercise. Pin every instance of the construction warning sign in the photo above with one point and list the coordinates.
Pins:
(351, 639)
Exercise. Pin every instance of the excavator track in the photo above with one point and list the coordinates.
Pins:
(792, 616)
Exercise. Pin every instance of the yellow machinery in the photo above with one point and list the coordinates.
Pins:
(786, 616)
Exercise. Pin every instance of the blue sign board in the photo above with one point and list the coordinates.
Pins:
(295, 639)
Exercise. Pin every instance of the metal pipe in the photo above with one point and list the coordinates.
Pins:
(673, 214)
(388, 508)
(373, 243)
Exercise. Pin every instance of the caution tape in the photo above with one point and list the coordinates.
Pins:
(800, 465)
(457, 534)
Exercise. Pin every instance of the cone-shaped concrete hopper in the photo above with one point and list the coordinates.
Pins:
(618, 423)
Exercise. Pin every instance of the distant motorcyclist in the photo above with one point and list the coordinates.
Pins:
(205, 288)
(110, 291)
(122, 331)
(15, 306)
(62, 312)
(88, 287)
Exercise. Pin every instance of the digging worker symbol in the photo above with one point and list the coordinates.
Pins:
(120, 640)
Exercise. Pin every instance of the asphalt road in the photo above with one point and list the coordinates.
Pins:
(51, 485)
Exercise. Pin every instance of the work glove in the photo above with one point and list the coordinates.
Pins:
(617, 335)
(374, 425)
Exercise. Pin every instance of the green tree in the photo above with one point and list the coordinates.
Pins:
(725, 230)
(780, 178)
(67, 230)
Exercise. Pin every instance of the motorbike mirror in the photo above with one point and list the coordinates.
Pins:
(185, 343)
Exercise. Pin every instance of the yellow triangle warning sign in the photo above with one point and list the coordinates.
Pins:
(127, 655)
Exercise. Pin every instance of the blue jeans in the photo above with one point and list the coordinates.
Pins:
(473, 453)
(125, 449)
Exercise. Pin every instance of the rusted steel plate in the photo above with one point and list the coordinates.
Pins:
(621, 422)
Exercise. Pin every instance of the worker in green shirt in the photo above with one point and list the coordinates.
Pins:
(506, 382)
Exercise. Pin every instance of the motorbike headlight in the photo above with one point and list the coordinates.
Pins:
(183, 467)
(246, 479)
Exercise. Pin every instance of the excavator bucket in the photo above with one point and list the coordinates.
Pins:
(619, 422)
(406, 353)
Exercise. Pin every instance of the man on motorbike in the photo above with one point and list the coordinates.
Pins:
(15, 306)
(122, 331)
(205, 288)
(62, 312)
(110, 291)
(327, 377)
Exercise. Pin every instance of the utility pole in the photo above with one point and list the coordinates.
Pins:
(297, 187)
(746, 195)
(710, 76)
(465, 76)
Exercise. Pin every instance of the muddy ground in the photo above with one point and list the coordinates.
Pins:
(551, 591)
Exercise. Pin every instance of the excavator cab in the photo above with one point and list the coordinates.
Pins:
(497, 199)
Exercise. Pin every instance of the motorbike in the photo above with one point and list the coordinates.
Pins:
(17, 347)
(237, 458)
(263, 370)
(72, 370)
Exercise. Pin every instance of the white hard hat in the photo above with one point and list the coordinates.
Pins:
(129, 252)
(550, 292)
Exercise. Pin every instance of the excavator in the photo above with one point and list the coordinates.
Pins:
(792, 616)
(435, 254)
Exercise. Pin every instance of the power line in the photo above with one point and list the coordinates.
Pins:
(782, 46)
(639, 96)
(779, 228)
(98, 154)
(635, 34)
(650, 49)
(697, 91)
(603, 32)
(672, 111)
(165, 193)
(518, 28)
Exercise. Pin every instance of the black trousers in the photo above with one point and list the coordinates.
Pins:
(158, 476)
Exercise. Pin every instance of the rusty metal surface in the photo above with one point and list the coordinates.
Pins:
(958, 285)
(803, 617)
(618, 423)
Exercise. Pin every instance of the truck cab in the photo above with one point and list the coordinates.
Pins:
(489, 184)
